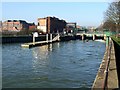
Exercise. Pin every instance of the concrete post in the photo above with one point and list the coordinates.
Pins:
(58, 36)
(50, 37)
(33, 40)
(47, 37)
(105, 37)
(93, 37)
(83, 37)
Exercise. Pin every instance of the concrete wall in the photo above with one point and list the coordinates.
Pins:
(107, 79)
(117, 55)
(21, 39)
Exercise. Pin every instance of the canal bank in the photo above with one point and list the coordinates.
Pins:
(108, 76)
(117, 54)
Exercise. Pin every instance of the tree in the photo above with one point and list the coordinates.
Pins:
(112, 16)
(109, 26)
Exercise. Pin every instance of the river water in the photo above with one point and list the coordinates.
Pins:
(71, 64)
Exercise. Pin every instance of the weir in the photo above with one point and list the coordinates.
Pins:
(92, 36)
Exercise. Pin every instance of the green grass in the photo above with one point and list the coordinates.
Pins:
(117, 40)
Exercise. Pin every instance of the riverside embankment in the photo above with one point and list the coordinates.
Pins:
(108, 76)
(117, 54)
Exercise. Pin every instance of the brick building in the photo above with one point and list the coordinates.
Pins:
(51, 25)
(32, 26)
(15, 25)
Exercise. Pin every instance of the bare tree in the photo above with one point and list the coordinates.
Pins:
(112, 16)
(109, 25)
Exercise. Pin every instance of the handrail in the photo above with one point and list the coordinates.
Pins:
(56, 38)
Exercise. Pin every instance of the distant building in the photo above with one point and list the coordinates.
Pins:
(70, 27)
(91, 28)
(51, 25)
(0, 25)
(32, 26)
(15, 25)
(79, 27)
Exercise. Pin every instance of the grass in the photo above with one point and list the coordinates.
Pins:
(117, 40)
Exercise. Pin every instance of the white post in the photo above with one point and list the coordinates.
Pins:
(93, 36)
(33, 40)
(104, 37)
(34, 35)
(82, 36)
(58, 36)
(47, 37)
(50, 37)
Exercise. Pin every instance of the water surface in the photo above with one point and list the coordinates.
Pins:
(72, 64)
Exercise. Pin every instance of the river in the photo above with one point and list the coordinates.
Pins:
(70, 64)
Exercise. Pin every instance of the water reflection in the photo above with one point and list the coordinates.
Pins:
(42, 51)
(58, 45)
(40, 56)
(50, 47)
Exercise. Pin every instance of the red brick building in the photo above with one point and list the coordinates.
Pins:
(15, 25)
(51, 25)
(32, 26)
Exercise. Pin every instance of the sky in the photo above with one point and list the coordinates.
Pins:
(83, 13)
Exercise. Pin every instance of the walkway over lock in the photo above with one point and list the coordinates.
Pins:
(33, 44)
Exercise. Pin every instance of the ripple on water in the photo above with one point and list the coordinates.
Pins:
(69, 64)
